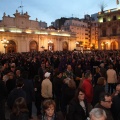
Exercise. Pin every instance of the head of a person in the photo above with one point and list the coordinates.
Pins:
(20, 82)
(37, 78)
(59, 74)
(105, 100)
(19, 106)
(49, 107)
(101, 81)
(88, 75)
(12, 67)
(110, 66)
(43, 65)
(79, 65)
(11, 75)
(97, 69)
(71, 84)
(102, 65)
(97, 114)
(117, 90)
(69, 67)
(79, 95)
(5, 65)
(47, 75)
(18, 72)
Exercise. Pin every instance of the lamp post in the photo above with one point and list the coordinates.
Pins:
(4, 42)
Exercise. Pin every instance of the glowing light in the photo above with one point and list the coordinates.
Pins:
(77, 43)
(101, 20)
(28, 31)
(50, 41)
(15, 30)
(60, 34)
(1, 29)
(45, 33)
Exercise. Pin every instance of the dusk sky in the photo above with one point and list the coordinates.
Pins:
(49, 10)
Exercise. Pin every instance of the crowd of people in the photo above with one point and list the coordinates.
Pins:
(63, 85)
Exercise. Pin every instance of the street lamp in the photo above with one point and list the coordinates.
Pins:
(4, 42)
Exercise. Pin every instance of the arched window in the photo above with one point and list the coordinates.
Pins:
(11, 47)
(33, 46)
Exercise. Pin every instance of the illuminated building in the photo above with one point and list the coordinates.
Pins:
(26, 35)
(109, 29)
(86, 31)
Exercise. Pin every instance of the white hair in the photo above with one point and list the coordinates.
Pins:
(97, 113)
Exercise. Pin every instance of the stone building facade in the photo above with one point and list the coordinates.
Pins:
(109, 29)
(25, 35)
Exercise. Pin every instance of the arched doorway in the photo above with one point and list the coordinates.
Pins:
(104, 46)
(11, 47)
(114, 45)
(33, 46)
(65, 46)
(50, 46)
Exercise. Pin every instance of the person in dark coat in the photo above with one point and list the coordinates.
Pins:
(105, 102)
(68, 92)
(19, 110)
(96, 76)
(37, 90)
(3, 95)
(57, 87)
(41, 71)
(29, 90)
(98, 89)
(103, 71)
(16, 93)
(78, 73)
(11, 82)
(116, 106)
(34, 66)
(78, 109)
(49, 111)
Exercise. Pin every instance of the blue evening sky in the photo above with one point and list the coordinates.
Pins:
(49, 10)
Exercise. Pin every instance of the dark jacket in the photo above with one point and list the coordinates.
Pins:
(29, 90)
(76, 112)
(97, 90)
(14, 94)
(107, 111)
(96, 76)
(57, 86)
(116, 107)
(3, 91)
(21, 116)
(67, 94)
(10, 84)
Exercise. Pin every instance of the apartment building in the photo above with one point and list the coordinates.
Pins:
(86, 31)
(109, 29)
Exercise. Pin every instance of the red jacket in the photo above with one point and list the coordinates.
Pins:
(88, 89)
